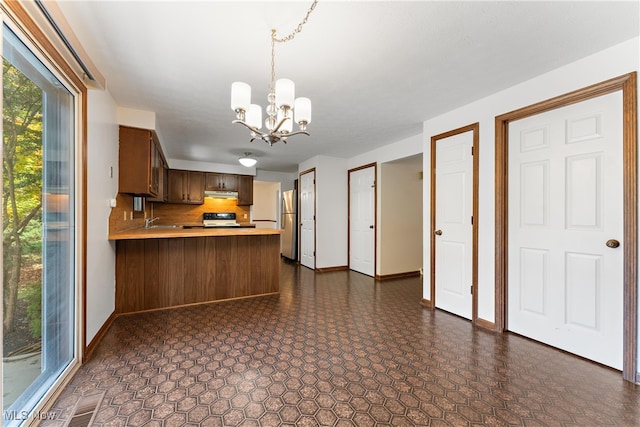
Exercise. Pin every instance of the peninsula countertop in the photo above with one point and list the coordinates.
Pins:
(165, 232)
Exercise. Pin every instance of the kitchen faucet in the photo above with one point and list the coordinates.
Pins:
(148, 221)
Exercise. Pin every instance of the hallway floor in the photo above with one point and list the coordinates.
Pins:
(337, 349)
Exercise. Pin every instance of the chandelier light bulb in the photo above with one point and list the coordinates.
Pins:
(240, 96)
(302, 111)
(285, 93)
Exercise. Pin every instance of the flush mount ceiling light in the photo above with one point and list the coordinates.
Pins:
(247, 160)
(283, 108)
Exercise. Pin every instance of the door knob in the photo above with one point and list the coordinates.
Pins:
(371, 226)
(438, 232)
(612, 243)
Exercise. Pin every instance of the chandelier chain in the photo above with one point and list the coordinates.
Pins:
(275, 40)
(280, 117)
(298, 30)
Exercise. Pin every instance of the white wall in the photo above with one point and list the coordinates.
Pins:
(286, 180)
(393, 151)
(610, 63)
(102, 153)
(332, 196)
(331, 210)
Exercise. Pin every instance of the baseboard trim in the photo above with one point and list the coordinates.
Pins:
(328, 269)
(173, 307)
(398, 275)
(426, 303)
(88, 351)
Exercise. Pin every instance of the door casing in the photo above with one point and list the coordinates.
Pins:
(628, 85)
(431, 303)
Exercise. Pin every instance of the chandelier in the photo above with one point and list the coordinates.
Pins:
(283, 108)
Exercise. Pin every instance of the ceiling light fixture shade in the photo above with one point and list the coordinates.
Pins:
(247, 161)
(283, 107)
(240, 96)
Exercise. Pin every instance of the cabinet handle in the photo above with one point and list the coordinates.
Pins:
(182, 196)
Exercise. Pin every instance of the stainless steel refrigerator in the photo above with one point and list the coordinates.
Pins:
(288, 240)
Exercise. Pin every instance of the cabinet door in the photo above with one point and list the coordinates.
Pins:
(230, 182)
(177, 182)
(245, 190)
(195, 190)
(163, 186)
(135, 162)
(221, 182)
(212, 181)
(156, 167)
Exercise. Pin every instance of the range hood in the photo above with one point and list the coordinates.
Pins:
(221, 194)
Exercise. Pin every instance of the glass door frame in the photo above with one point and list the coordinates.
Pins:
(14, 16)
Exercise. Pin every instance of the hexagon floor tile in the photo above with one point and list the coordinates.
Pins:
(337, 349)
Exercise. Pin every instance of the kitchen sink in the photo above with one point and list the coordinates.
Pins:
(165, 226)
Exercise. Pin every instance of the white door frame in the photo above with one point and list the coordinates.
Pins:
(475, 128)
(628, 85)
(375, 212)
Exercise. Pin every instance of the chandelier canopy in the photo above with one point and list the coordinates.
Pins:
(283, 107)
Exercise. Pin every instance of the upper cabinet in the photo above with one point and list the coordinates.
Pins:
(163, 185)
(245, 190)
(185, 187)
(242, 184)
(141, 162)
(220, 182)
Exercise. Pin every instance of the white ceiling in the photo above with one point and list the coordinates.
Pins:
(374, 70)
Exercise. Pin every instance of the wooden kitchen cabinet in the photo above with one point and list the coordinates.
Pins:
(163, 185)
(185, 187)
(221, 182)
(140, 162)
(245, 190)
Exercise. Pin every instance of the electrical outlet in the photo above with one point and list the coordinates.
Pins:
(245, 216)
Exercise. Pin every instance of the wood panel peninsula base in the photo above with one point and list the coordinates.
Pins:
(170, 268)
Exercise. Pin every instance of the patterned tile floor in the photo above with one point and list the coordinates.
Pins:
(337, 349)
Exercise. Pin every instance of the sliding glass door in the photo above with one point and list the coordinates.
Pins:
(38, 219)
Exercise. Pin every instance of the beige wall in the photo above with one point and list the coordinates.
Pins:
(400, 216)
(265, 201)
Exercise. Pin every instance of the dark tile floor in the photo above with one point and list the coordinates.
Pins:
(337, 349)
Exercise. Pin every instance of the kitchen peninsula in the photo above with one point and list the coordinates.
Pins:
(165, 257)
(168, 267)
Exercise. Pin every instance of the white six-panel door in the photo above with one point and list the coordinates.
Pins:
(362, 220)
(454, 229)
(307, 219)
(565, 204)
